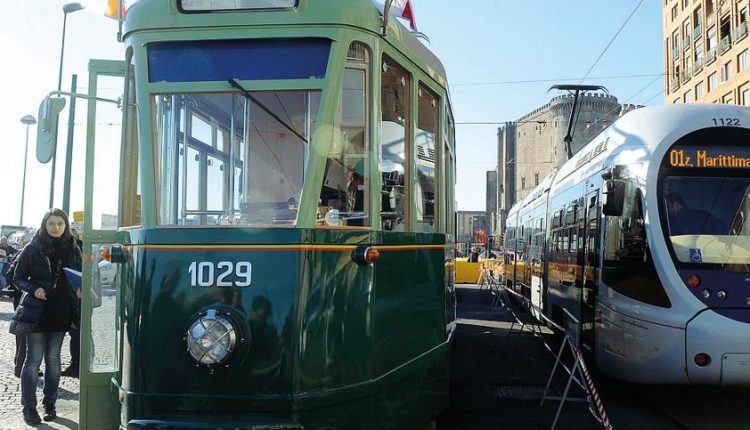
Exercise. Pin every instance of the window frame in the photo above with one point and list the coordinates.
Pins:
(368, 182)
(408, 140)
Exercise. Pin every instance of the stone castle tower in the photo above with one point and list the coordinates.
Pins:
(530, 148)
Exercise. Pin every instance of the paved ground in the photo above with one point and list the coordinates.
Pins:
(10, 391)
(497, 380)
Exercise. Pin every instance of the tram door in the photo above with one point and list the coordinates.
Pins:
(590, 232)
(104, 180)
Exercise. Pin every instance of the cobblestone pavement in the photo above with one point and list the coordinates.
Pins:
(10, 390)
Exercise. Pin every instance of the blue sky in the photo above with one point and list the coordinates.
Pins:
(503, 40)
(477, 40)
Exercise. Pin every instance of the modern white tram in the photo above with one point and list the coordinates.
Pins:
(643, 238)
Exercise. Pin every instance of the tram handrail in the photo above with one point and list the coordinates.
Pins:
(118, 102)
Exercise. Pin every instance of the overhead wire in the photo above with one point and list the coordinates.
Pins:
(533, 81)
(653, 97)
(627, 100)
(611, 41)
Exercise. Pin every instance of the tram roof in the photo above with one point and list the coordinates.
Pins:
(159, 15)
(632, 139)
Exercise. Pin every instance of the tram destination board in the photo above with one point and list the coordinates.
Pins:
(722, 157)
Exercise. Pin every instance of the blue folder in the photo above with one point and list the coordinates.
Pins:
(74, 277)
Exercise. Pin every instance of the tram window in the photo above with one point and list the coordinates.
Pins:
(628, 266)
(211, 5)
(428, 109)
(580, 210)
(446, 173)
(215, 180)
(717, 226)
(395, 148)
(570, 215)
(450, 168)
(573, 233)
(227, 132)
(201, 130)
(344, 198)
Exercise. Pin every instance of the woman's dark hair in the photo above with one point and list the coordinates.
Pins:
(45, 240)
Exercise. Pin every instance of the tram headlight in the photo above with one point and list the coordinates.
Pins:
(721, 294)
(706, 293)
(211, 338)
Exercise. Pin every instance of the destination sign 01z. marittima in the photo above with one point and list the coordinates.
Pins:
(701, 158)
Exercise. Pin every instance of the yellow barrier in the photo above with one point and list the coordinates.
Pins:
(468, 273)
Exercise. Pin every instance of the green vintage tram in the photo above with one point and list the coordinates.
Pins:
(282, 220)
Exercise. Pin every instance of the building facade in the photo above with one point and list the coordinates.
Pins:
(706, 51)
(530, 148)
(466, 223)
(491, 199)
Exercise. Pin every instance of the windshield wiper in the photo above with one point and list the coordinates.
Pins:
(233, 82)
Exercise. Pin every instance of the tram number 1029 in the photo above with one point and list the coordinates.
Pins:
(221, 274)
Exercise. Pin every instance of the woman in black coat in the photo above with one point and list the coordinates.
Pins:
(47, 309)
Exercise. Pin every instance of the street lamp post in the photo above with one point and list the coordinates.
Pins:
(28, 120)
(67, 8)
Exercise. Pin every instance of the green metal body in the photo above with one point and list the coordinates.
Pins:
(347, 345)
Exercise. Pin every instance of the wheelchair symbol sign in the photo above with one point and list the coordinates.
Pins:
(695, 255)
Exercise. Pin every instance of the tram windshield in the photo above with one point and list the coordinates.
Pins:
(707, 220)
(228, 158)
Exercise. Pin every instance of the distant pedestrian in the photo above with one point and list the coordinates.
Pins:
(11, 291)
(6, 254)
(474, 256)
(7, 248)
(47, 309)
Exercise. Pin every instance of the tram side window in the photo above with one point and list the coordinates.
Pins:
(628, 267)
(395, 148)
(447, 168)
(344, 198)
(428, 109)
(592, 235)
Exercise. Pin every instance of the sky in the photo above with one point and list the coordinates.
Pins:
(486, 46)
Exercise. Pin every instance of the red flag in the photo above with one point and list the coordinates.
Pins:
(402, 9)
(115, 9)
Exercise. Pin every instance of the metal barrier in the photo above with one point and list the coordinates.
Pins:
(495, 285)
(578, 373)
(488, 279)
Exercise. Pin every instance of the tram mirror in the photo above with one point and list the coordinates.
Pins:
(46, 133)
(613, 197)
